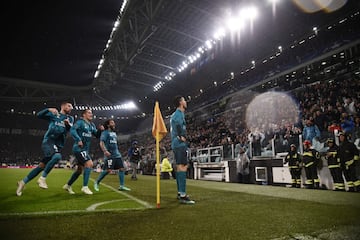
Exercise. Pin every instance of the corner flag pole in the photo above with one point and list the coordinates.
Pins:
(157, 171)
(158, 131)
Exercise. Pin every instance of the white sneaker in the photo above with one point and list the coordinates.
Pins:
(68, 188)
(20, 188)
(86, 190)
(42, 183)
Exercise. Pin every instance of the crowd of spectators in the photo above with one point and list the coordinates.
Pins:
(322, 105)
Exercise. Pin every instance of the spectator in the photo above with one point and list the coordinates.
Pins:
(242, 166)
(310, 130)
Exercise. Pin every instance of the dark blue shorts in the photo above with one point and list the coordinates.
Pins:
(180, 155)
(82, 157)
(49, 149)
(113, 163)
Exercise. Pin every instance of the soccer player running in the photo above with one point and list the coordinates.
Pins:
(53, 141)
(82, 133)
(112, 156)
(179, 146)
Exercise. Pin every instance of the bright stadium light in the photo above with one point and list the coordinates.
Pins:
(208, 44)
(96, 74)
(315, 29)
(249, 13)
(220, 33)
(235, 23)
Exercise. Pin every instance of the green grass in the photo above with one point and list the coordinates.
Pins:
(222, 211)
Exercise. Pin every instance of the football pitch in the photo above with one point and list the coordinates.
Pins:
(222, 211)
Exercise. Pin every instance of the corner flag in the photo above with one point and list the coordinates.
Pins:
(158, 124)
(158, 131)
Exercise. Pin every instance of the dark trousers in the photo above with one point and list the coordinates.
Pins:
(350, 176)
(165, 175)
(243, 178)
(312, 179)
(295, 177)
(336, 174)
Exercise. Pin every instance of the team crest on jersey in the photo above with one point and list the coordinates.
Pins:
(61, 124)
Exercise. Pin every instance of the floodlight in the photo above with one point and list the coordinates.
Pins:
(96, 74)
(315, 29)
(249, 13)
(219, 34)
(208, 44)
(235, 23)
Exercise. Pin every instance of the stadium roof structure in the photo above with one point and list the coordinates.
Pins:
(101, 53)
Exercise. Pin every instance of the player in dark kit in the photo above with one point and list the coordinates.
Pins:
(82, 133)
(134, 156)
(112, 156)
(53, 142)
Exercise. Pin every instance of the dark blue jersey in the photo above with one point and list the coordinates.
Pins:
(134, 154)
(110, 141)
(83, 131)
(57, 130)
(177, 129)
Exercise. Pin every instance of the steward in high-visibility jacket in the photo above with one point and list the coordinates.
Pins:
(349, 158)
(310, 161)
(334, 165)
(293, 158)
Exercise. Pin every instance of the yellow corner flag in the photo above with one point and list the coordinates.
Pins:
(158, 131)
(158, 124)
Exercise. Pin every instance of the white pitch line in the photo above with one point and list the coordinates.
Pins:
(94, 206)
(145, 204)
(89, 209)
(65, 212)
